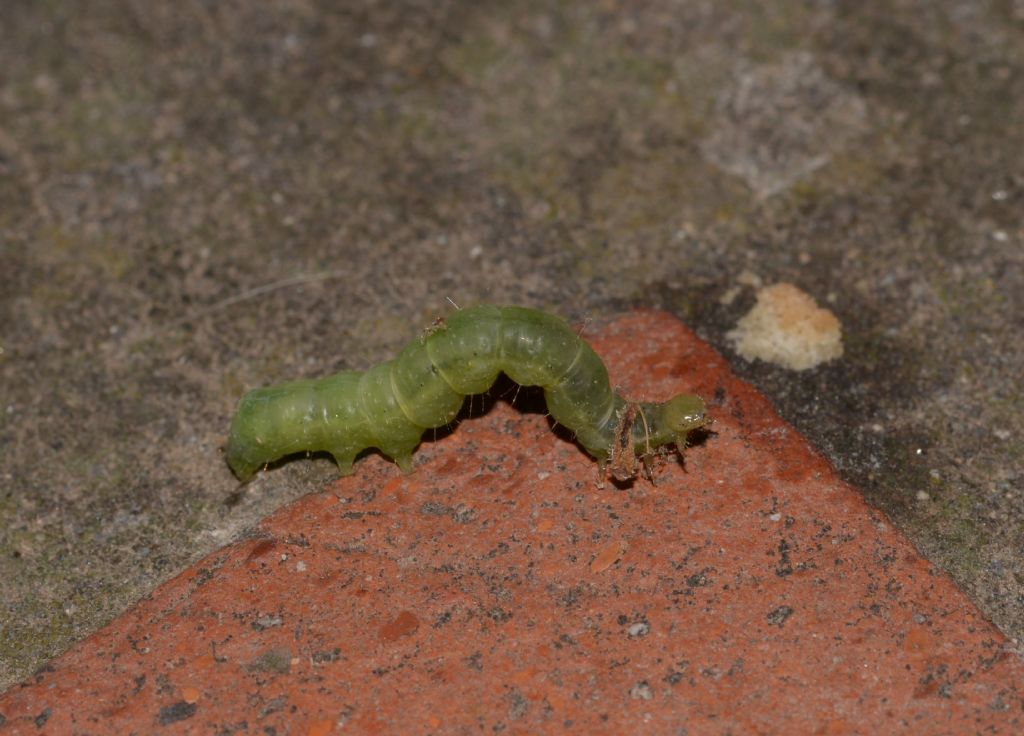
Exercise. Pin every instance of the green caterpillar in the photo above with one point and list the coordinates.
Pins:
(390, 405)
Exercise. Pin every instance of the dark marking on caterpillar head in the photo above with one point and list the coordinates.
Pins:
(389, 406)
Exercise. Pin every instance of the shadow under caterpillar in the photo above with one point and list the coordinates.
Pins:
(390, 405)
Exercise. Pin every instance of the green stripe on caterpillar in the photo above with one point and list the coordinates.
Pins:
(390, 405)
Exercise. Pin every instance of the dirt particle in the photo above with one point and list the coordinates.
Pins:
(778, 616)
(405, 624)
(267, 621)
(639, 629)
(261, 548)
(641, 691)
(608, 555)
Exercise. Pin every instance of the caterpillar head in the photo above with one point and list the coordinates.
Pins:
(681, 415)
(645, 427)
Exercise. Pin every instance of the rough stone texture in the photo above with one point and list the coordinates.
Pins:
(198, 198)
(497, 588)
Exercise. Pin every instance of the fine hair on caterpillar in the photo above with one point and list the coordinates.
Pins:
(391, 405)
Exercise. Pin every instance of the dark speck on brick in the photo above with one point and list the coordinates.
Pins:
(327, 656)
(499, 615)
(432, 508)
(518, 705)
(274, 660)
(785, 567)
(779, 615)
(501, 549)
(177, 712)
(475, 661)
(700, 579)
(274, 705)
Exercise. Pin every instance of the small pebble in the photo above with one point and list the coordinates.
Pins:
(641, 691)
(639, 629)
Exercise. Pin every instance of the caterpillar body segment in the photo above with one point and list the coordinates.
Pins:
(390, 405)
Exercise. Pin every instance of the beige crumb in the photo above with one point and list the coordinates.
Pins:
(786, 327)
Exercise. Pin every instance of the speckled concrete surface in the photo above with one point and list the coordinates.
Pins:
(497, 589)
(199, 198)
